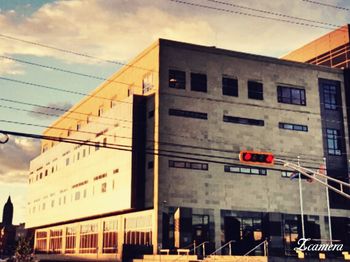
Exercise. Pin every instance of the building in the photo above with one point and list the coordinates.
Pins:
(7, 230)
(332, 50)
(177, 116)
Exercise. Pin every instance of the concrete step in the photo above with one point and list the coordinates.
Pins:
(179, 258)
(235, 259)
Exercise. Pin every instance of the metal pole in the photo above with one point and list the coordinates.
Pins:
(301, 203)
(204, 249)
(327, 199)
(230, 248)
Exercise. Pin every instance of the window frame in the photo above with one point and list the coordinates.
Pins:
(227, 88)
(255, 94)
(294, 127)
(335, 138)
(179, 78)
(282, 98)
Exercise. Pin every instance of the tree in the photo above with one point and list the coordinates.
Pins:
(24, 252)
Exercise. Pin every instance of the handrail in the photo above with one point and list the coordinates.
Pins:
(193, 249)
(264, 242)
(229, 242)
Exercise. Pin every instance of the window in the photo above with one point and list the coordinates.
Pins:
(293, 127)
(70, 240)
(229, 86)
(147, 83)
(110, 237)
(88, 238)
(333, 142)
(89, 119)
(100, 111)
(189, 114)
(243, 121)
(188, 165)
(255, 90)
(177, 79)
(113, 103)
(97, 146)
(198, 82)
(104, 187)
(289, 95)
(330, 97)
(77, 195)
(245, 170)
(79, 125)
(67, 161)
(55, 243)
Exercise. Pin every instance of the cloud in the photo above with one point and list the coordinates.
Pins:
(49, 111)
(15, 156)
(118, 30)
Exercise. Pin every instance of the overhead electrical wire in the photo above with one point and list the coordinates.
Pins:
(250, 15)
(130, 149)
(327, 5)
(271, 13)
(5, 36)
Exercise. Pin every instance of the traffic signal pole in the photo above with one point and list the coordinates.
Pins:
(319, 177)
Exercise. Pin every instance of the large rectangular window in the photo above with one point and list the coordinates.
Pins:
(293, 127)
(255, 90)
(330, 97)
(229, 86)
(110, 237)
(189, 114)
(198, 82)
(291, 95)
(55, 244)
(88, 238)
(71, 235)
(177, 79)
(245, 170)
(333, 142)
(188, 165)
(41, 241)
(243, 121)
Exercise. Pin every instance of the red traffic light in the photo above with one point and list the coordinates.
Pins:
(257, 158)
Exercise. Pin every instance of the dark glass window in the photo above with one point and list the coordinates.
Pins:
(330, 97)
(245, 170)
(289, 95)
(333, 142)
(190, 114)
(291, 232)
(188, 165)
(198, 82)
(255, 90)
(243, 121)
(294, 127)
(229, 86)
(177, 79)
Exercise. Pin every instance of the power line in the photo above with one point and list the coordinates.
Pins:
(327, 5)
(65, 71)
(129, 149)
(173, 144)
(59, 89)
(70, 51)
(272, 13)
(60, 109)
(249, 14)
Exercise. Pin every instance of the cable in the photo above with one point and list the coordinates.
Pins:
(59, 89)
(327, 5)
(250, 15)
(272, 13)
(60, 109)
(180, 145)
(70, 52)
(66, 71)
(124, 148)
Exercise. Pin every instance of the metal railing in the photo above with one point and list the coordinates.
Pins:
(265, 243)
(193, 249)
(229, 243)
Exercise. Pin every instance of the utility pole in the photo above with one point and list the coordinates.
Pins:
(301, 202)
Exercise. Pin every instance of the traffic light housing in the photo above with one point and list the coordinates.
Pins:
(257, 158)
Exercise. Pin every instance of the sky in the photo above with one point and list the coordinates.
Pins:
(118, 30)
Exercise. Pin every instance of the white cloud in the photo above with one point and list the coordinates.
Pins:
(118, 30)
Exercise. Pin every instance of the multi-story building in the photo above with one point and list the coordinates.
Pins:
(176, 117)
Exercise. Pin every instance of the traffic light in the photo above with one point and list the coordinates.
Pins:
(257, 158)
